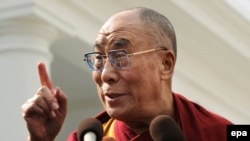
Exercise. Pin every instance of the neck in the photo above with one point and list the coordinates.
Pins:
(142, 124)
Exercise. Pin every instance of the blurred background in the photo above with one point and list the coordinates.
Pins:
(213, 65)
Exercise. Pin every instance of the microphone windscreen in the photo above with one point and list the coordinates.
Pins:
(90, 125)
(106, 138)
(164, 128)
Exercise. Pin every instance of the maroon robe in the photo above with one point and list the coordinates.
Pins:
(197, 124)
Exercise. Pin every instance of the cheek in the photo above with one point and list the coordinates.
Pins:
(144, 83)
(146, 80)
(146, 73)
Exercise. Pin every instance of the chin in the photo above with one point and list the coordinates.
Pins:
(117, 114)
(113, 112)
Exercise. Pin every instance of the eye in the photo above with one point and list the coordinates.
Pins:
(99, 57)
(97, 62)
(121, 59)
(120, 54)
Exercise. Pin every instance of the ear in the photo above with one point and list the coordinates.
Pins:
(168, 64)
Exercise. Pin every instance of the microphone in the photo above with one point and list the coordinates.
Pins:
(90, 129)
(164, 128)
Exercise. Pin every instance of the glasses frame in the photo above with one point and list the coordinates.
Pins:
(112, 60)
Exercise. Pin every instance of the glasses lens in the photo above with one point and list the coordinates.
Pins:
(95, 61)
(119, 59)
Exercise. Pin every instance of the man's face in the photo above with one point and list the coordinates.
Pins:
(134, 92)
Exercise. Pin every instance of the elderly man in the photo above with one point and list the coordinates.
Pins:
(133, 64)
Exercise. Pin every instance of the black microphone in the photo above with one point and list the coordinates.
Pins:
(90, 129)
(164, 128)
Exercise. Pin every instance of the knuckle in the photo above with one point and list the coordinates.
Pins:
(43, 90)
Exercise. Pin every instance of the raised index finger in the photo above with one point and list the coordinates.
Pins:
(43, 75)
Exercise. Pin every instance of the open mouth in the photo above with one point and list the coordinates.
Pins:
(114, 96)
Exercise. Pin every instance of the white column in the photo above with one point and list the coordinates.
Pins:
(22, 44)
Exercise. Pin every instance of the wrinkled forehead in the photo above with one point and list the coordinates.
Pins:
(124, 25)
(120, 20)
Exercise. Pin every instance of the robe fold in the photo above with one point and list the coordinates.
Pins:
(196, 123)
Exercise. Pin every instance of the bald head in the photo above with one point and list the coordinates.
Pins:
(159, 23)
(156, 25)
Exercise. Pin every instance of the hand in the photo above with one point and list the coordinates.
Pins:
(45, 112)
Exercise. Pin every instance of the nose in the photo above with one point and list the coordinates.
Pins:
(109, 74)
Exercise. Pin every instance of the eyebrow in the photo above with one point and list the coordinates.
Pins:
(120, 43)
(98, 44)
(116, 44)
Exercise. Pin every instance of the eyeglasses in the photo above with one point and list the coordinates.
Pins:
(118, 58)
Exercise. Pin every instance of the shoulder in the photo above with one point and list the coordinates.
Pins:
(197, 122)
(184, 105)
